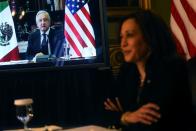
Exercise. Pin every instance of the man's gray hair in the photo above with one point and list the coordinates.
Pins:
(42, 12)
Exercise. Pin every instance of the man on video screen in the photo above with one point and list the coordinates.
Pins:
(44, 40)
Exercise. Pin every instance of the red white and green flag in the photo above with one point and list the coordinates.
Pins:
(8, 42)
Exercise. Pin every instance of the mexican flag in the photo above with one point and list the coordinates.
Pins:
(8, 42)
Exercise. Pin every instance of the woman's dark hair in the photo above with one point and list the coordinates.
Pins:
(155, 32)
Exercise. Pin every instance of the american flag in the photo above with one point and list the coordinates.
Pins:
(183, 24)
(78, 30)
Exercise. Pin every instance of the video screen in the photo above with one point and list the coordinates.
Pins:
(44, 34)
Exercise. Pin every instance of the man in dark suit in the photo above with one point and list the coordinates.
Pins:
(44, 40)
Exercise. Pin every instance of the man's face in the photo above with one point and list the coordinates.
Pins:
(43, 22)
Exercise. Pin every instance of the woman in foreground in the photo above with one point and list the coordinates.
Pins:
(153, 90)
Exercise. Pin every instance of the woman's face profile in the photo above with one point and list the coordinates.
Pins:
(133, 46)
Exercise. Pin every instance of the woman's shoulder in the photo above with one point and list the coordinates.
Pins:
(175, 65)
(175, 61)
(169, 65)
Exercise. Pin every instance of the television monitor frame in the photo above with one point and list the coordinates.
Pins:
(101, 60)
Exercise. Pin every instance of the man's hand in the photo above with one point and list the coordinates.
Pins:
(38, 54)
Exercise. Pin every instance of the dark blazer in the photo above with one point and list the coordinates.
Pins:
(34, 43)
(167, 85)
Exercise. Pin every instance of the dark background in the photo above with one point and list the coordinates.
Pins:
(64, 97)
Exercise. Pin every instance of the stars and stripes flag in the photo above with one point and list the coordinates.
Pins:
(78, 30)
(8, 42)
(183, 25)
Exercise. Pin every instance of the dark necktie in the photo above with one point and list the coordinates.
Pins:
(44, 45)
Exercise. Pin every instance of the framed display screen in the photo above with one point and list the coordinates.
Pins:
(81, 37)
